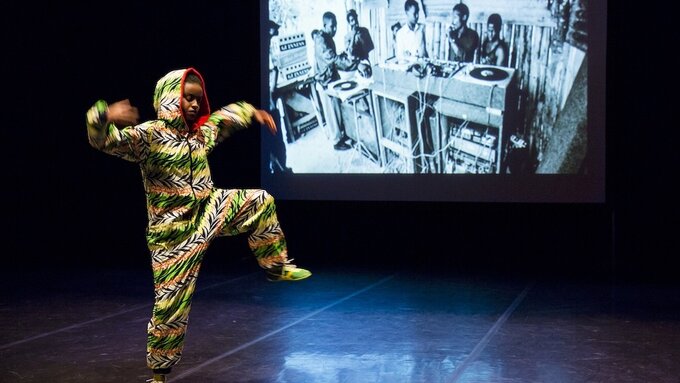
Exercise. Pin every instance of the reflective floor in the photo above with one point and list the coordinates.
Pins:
(344, 326)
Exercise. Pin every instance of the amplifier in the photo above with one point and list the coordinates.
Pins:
(294, 73)
(290, 54)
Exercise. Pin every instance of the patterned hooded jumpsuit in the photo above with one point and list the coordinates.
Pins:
(185, 211)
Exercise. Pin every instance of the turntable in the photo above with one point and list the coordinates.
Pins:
(480, 94)
(345, 85)
(486, 75)
(346, 88)
(489, 73)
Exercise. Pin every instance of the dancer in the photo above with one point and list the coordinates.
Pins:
(185, 210)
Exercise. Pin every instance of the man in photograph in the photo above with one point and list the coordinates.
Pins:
(358, 42)
(327, 63)
(463, 41)
(410, 38)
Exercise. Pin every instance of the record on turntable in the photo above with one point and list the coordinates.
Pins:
(489, 73)
(345, 85)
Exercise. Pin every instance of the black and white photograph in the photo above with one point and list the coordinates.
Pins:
(430, 87)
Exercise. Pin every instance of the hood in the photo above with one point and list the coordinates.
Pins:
(167, 100)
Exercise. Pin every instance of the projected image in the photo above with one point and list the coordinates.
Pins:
(429, 87)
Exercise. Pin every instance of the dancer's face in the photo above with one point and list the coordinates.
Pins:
(191, 101)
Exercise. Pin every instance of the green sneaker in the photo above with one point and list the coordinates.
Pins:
(287, 273)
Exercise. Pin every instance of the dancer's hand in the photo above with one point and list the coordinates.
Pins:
(122, 113)
(264, 118)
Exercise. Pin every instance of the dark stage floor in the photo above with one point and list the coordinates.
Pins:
(344, 326)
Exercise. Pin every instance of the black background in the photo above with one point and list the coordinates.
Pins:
(74, 209)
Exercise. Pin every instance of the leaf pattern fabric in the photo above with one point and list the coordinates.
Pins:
(185, 210)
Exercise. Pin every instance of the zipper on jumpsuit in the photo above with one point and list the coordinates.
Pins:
(191, 167)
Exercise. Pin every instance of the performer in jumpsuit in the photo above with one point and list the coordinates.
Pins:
(185, 210)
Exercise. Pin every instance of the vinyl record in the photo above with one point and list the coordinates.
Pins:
(345, 85)
(489, 74)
